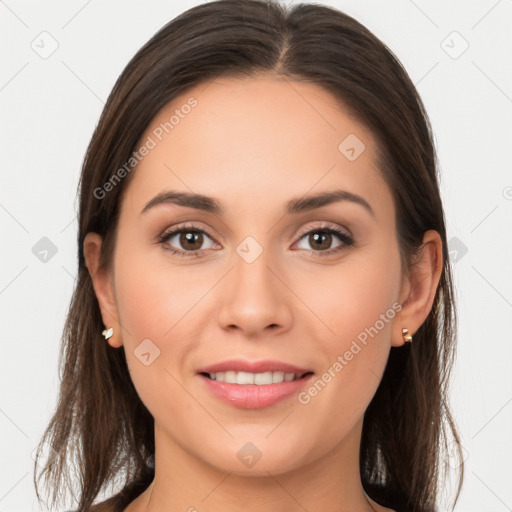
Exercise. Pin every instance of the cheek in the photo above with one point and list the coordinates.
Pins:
(358, 304)
(159, 323)
(356, 356)
(152, 294)
(350, 298)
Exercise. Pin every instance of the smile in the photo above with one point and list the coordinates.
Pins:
(246, 390)
(259, 379)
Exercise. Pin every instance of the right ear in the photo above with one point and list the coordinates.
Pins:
(103, 287)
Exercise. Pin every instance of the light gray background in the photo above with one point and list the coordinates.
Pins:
(49, 107)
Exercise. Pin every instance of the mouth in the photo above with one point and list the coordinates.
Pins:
(253, 385)
(258, 379)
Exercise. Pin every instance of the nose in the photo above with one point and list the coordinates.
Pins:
(254, 298)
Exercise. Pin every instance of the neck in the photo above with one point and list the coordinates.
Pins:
(184, 481)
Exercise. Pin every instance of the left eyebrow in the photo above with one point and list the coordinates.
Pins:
(294, 206)
(314, 201)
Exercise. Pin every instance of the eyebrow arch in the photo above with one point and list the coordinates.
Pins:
(294, 206)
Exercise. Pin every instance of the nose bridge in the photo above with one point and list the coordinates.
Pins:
(254, 297)
(252, 262)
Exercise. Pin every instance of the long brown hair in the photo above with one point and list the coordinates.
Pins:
(100, 426)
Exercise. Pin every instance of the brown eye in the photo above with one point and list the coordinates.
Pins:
(186, 241)
(321, 240)
(192, 240)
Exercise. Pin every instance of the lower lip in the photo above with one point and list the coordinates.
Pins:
(253, 396)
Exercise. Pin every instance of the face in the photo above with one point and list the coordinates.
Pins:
(257, 280)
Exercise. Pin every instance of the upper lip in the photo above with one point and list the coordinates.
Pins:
(263, 366)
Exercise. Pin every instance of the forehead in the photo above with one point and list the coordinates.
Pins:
(257, 137)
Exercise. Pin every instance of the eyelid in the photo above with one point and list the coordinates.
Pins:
(341, 232)
(301, 233)
(186, 225)
(324, 225)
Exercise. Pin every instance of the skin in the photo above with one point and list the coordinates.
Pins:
(254, 144)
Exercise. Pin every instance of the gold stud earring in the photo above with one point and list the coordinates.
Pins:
(108, 333)
(406, 335)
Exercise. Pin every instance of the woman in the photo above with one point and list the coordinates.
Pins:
(262, 245)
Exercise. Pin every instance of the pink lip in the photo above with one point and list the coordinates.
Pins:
(253, 396)
(238, 365)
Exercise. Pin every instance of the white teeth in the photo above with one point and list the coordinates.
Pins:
(278, 377)
(260, 379)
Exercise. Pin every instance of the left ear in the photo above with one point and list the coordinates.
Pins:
(419, 289)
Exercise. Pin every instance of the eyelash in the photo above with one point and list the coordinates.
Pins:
(346, 239)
